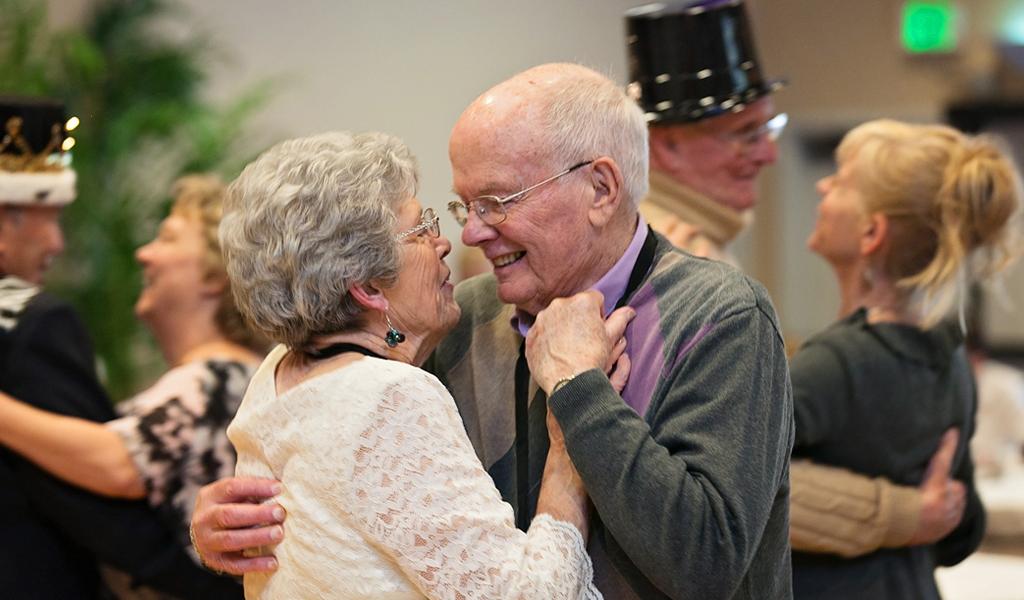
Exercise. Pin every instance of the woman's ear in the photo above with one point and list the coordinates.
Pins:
(214, 284)
(369, 296)
(606, 178)
(875, 234)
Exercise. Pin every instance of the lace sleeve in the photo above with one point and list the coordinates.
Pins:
(422, 494)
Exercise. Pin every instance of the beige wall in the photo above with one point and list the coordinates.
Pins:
(409, 67)
(844, 66)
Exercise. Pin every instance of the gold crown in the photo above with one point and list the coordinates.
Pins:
(28, 161)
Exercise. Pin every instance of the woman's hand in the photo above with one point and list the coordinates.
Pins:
(231, 520)
(562, 494)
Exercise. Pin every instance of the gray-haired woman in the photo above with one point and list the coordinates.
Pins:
(330, 253)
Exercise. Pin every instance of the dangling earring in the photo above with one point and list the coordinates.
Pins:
(393, 337)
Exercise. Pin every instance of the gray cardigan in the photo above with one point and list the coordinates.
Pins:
(690, 479)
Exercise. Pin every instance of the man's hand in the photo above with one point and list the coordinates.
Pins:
(229, 519)
(942, 498)
(570, 336)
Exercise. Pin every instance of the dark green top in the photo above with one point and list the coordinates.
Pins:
(876, 399)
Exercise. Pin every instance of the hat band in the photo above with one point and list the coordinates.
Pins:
(37, 189)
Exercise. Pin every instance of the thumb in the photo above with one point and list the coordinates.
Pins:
(615, 324)
(942, 461)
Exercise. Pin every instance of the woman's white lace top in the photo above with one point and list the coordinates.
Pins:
(385, 496)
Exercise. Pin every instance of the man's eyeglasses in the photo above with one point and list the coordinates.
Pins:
(428, 224)
(745, 140)
(491, 209)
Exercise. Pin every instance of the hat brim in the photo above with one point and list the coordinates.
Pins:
(708, 107)
(37, 189)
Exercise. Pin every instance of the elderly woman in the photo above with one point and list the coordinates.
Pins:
(913, 215)
(171, 439)
(331, 254)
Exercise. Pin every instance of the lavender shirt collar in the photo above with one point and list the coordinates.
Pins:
(612, 285)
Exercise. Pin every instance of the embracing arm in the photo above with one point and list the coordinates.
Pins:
(54, 371)
(833, 510)
(79, 451)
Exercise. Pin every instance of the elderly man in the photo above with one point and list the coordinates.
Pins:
(688, 469)
(55, 535)
(695, 71)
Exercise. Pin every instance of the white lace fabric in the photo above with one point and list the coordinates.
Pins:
(386, 498)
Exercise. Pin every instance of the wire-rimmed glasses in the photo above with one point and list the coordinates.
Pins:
(491, 209)
(429, 224)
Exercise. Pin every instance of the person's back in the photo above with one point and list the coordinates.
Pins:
(906, 387)
(36, 556)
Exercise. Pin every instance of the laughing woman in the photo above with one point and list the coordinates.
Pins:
(912, 217)
(170, 439)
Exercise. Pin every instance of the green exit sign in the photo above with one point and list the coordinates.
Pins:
(929, 27)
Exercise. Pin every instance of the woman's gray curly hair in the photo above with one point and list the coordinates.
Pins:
(307, 219)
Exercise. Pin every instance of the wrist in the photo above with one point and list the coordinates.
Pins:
(561, 383)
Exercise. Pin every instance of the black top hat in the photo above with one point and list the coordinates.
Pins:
(693, 59)
(34, 166)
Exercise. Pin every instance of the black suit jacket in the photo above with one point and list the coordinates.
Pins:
(54, 534)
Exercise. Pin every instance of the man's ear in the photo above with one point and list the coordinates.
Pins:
(369, 296)
(606, 178)
(875, 234)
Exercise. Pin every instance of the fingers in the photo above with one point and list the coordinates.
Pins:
(236, 564)
(228, 524)
(238, 489)
(615, 324)
(620, 374)
(941, 463)
(956, 500)
(614, 355)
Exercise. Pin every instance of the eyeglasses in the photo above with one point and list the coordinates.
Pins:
(745, 140)
(491, 209)
(428, 224)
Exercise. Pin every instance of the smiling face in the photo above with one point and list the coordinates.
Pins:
(709, 157)
(421, 302)
(30, 238)
(842, 217)
(174, 269)
(541, 250)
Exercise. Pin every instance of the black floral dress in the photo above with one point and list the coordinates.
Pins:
(175, 433)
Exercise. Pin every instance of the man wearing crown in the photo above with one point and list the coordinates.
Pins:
(55, 536)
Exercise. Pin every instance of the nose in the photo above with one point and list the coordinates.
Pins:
(475, 232)
(765, 151)
(823, 184)
(142, 254)
(443, 245)
(56, 239)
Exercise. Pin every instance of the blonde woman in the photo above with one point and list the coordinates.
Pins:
(170, 439)
(913, 215)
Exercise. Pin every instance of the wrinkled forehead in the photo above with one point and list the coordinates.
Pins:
(498, 146)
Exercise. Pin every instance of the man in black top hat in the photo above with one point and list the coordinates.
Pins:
(695, 71)
(55, 535)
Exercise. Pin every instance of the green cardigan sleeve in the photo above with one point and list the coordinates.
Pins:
(688, 489)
